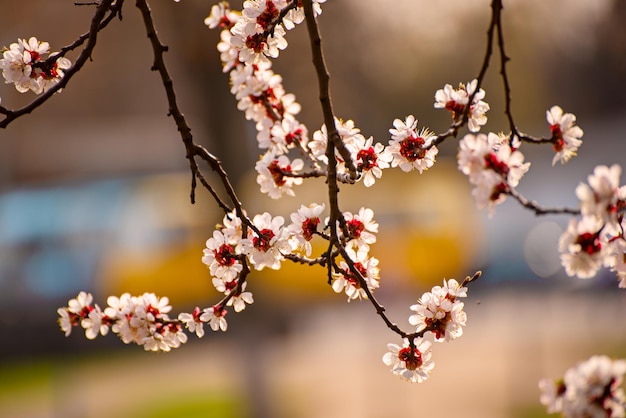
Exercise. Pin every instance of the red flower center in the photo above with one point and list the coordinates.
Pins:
(295, 136)
(262, 242)
(309, 227)
(492, 162)
(558, 143)
(412, 360)
(438, 325)
(256, 42)
(278, 173)
(355, 228)
(152, 310)
(411, 148)
(589, 243)
(269, 14)
(225, 255)
(368, 158)
(457, 109)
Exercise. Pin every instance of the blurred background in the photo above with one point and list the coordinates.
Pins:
(94, 195)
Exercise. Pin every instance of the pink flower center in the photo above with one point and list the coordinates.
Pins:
(412, 360)
(262, 242)
(411, 148)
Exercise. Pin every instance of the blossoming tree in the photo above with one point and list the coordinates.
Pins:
(494, 163)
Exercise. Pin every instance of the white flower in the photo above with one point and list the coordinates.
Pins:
(490, 190)
(603, 197)
(551, 395)
(81, 305)
(193, 322)
(346, 280)
(221, 258)
(240, 298)
(441, 311)
(221, 16)
(95, 323)
(283, 135)
(274, 174)
(52, 75)
(618, 259)
(153, 306)
(231, 228)
(590, 389)
(304, 226)
(229, 55)
(67, 320)
(409, 149)
(215, 317)
(348, 134)
(254, 47)
(370, 159)
(456, 100)
(412, 365)
(361, 229)
(581, 248)
(492, 165)
(565, 134)
(266, 249)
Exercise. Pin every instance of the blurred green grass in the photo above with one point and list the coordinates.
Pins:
(52, 386)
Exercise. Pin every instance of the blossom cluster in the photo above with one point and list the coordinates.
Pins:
(597, 238)
(268, 241)
(24, 65)
(494, 166)
(439, 312)
(142, 320)
(590, 389)
(456, 100)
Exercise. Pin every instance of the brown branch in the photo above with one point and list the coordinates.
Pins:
(98, 22)
(534, 206)
(323, 78)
